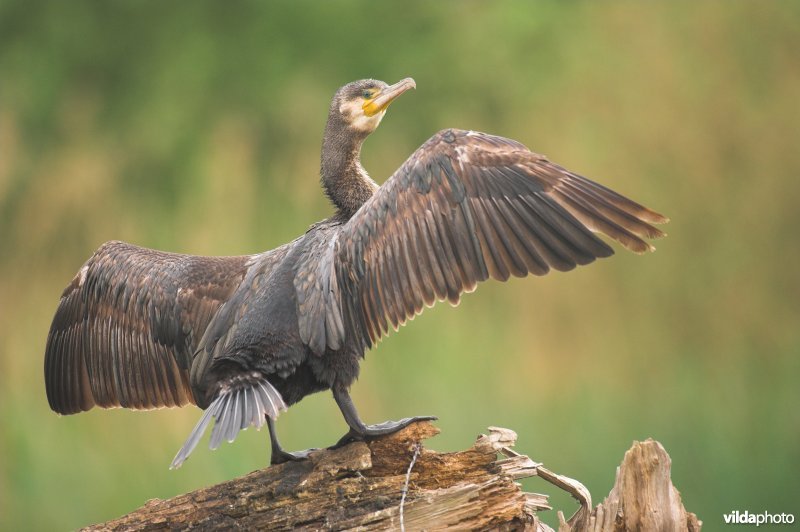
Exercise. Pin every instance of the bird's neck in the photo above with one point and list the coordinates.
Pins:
(345, 181)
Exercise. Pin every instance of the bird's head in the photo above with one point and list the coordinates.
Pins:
(362, 104)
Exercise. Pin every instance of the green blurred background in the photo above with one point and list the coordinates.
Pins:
(195, 127)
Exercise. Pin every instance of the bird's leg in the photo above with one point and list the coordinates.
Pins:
(280, 456)
(358, 430)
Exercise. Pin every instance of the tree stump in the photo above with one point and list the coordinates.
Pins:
(394, 483)
(643, 497)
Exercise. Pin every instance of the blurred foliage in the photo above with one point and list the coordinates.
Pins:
(195, 127)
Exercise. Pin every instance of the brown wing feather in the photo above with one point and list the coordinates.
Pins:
(468, 206)
(128, 325)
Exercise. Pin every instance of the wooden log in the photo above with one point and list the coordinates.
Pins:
(643, 497)
(391, 483)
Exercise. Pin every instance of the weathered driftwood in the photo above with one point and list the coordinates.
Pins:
(394, 483)
(643, 497)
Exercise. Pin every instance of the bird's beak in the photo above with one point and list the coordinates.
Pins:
(385, 97)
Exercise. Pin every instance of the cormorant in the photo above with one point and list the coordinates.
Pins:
(245, 337)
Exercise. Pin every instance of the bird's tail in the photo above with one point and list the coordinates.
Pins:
(242, 401)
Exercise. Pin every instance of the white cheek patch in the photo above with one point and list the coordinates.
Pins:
(354, 113)
(368, 123)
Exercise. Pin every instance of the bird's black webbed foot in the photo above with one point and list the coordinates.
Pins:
(279, 456)
(366, 432)
(360, 431)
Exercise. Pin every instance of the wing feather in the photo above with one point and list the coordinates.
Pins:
(468, 206)
(128, 325)
(489, 242)
(396, 254)
(394, 289)
(420, 243)
(412, 266)
(435, 256)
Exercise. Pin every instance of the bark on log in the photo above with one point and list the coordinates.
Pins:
(395, 483)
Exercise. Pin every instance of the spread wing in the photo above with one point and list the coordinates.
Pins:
(128, 324)
(467, 206)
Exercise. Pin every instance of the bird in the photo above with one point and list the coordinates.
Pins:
(245, 337)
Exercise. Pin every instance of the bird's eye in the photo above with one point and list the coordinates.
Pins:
(367, 94)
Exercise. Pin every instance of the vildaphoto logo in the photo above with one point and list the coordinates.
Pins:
(764, 518)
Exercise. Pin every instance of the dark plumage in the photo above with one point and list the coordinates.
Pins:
(245, 337)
